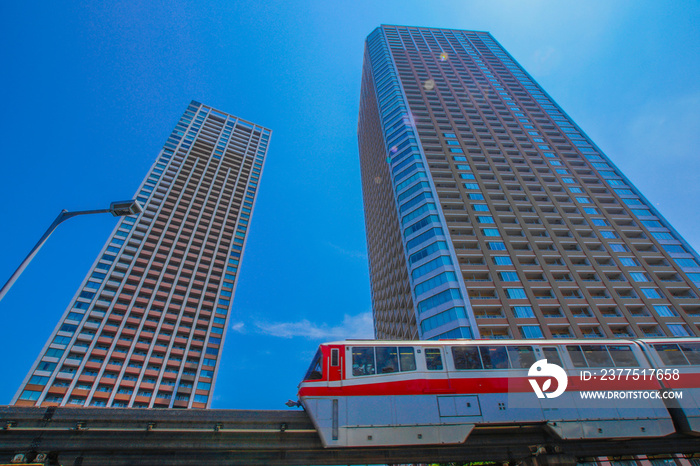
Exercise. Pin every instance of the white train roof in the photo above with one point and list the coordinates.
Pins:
(502, 342)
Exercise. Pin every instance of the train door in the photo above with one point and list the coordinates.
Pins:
(335, 364)
(437, 376)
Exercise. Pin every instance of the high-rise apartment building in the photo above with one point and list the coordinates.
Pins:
(489, 213)
(146, 326)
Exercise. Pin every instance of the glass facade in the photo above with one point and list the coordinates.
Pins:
(474, 178)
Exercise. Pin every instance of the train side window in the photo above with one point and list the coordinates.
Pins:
(407, 359)
(552, 355)
(494, 357)
(692, 352)
(315, 371)
(576, 356)
(387, 360)
(597, 356)
(521, 356)
(671, 355)
(335, 356)
(623, 356)
(466, 357)
(433, 359)
(363, 360)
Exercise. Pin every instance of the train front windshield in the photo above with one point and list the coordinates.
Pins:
(315, 371)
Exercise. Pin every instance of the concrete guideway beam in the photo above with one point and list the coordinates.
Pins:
(187, 437)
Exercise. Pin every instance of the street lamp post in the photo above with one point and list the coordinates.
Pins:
(118, 209)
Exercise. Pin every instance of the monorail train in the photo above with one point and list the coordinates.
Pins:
(380, 393)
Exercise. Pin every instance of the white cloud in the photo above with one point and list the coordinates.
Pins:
(358, 326)
(347, 252)
(545, 60)
(238, 327)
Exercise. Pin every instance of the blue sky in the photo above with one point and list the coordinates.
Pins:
(93, 89)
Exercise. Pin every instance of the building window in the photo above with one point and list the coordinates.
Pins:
(38, 380)
(639, 277)
(46, 366)
(509, 276)
(30, 395)
(651, 293)
(502, 260)
(678, 330)
(591, 332)
(523, 312)
(687, 263)
(203, 386)
(628, 261)
(531, 331)
(664, 311)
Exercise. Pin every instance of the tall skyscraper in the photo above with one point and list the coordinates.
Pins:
(489, 213)
(146, 326)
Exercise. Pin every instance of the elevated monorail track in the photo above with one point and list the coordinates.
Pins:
(118, 436)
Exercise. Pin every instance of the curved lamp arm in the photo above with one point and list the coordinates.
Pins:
(118, 209)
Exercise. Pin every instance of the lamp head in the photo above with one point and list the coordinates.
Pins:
(124, 208)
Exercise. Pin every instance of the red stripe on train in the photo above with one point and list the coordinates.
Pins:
(691, 380)
(472, 386)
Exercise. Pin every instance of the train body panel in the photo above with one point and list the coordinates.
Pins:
(415, 392)
(383, 421)
(682, 354)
